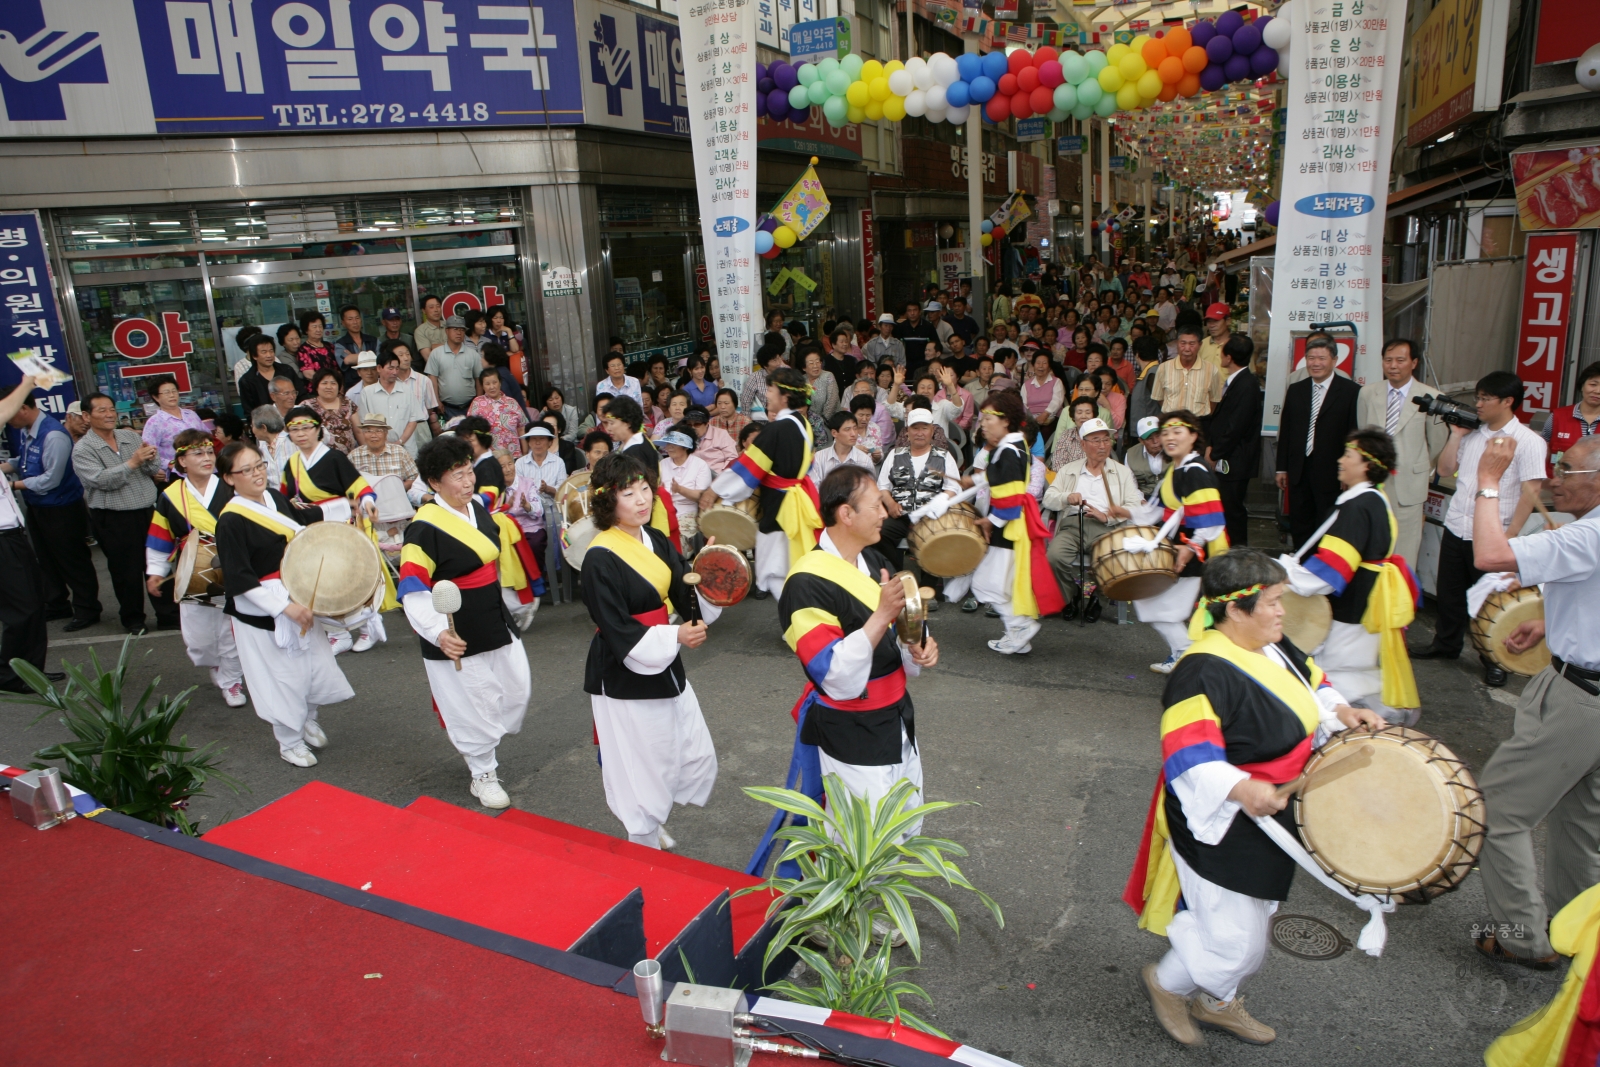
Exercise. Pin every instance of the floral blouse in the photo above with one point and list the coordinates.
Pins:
(161, 429)
(339, 425)
(505, 419)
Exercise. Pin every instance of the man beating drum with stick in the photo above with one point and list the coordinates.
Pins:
(1550, 766)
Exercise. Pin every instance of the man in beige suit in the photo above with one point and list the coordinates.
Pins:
(1418, 438)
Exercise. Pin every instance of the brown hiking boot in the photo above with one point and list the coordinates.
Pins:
(1172, 1011)
(1230, 1017)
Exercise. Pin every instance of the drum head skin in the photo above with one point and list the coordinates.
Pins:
(949, 546)
(575, 541)
(1409, 816)
(572, 496)
(734, 527)
(1306, 620)
(1499, 617)
(725, 577)
(183, 572)
(332, 568)
(1125, 575)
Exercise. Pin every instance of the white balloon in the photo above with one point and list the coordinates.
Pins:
(916, 103)
(957, 116)
(945, 70)
(900, 83)
(935, 116)
(935, 98)
(921, 74)
(1277, 34)
(1284, 64)
(1588, 68)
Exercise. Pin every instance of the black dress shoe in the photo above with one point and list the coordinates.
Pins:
(1494, 675)
(63, 613)
(79, 624)
(1431, 652)
(1070, 612)
(759, 593)
(933, 605)
(169, 624)
(56, 676)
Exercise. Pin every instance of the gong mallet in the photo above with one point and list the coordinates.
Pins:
(447, 601)
(691, 610)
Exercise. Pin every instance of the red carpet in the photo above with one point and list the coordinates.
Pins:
(124, 952)
(394, 853)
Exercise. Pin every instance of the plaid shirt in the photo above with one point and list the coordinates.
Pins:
(392, 460)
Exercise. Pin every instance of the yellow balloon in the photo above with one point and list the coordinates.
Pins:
(783, 237)
(1128, 97)
(1115, 53)
(986, 239)
(855, 114)
(890, 67)
(1110, 79)
(878, 89)
(874, 110)
(1150, 85)
(1138, 43)
(858, 95)
(1133, 66)
(871, 69)
(894, 108)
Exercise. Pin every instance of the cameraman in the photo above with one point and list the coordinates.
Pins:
(1550, 766)
(1499, 395)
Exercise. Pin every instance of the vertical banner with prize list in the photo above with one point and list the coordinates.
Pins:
(1329, 268)
(719, 47)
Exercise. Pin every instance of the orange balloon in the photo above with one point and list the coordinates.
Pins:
(1153, 52)
(1170, 71)
(1190, 85)
(1170, 92)
(1177, 42)
(1194, 59)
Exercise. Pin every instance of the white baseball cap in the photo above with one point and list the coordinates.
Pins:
(1093, 426)
(918, 416)
(886, 317)
(1148, 425)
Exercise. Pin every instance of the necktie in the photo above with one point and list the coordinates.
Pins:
(1316, 407)
(1391, 420)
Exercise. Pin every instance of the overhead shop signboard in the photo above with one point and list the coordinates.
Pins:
(1457, 60)
(140, 67)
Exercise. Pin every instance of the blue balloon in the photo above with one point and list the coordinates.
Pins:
(981, 89)
(959, 94)
(987, 225)
(763, 242)
(970, 64)
(994, 65)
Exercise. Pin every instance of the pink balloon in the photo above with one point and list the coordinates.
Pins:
(1050, 74)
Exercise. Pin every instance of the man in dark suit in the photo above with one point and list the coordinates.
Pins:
(1235, 449)
(1317, 414)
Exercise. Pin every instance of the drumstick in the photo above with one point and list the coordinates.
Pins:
(691, 610)
(312, 607)
(1549, 521)
(1361, 758)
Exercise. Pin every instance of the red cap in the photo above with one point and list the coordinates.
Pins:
(1218, 311)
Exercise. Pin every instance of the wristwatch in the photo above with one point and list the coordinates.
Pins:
(1489, 494)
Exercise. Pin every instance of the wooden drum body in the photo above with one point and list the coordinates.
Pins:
(572, 497)
(332, 568)
(198, 572)
(1126, 575)
(1306, 620)
(725, 575)
(1407, 816)
(951, 545)
(735, 526)
(1500, 615)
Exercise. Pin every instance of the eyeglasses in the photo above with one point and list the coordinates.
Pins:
(251, 469)
(1564, 471)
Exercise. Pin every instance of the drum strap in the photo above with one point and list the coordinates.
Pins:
(1375, 933)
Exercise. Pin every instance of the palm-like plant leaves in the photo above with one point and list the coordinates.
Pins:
(124, 757)
(858, 882)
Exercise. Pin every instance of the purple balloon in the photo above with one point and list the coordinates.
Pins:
(1261, 23)
(761, 105)
(1263, 61)
(769, 224)
(1211, 79)
(783, 76)
(1272, 213)
(1229, 22)
(778, 105)
(1202, 32)
(1246, 39)
(765, 85)
(761, 71)
(1219, 48)
(1237, 68)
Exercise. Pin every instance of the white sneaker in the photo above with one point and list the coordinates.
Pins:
(486, 787)
(234, 695)
(314, 735)
(362, 643)
(666, 839)
(1008, 645)
(1166, 665)
(341, 642)
(299, 755)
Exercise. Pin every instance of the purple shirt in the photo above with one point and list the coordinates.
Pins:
(162, 429)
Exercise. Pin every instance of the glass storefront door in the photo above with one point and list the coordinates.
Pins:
(650, 294)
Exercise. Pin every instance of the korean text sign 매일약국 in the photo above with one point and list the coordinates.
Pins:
(1342, 93)
(1547, 286)
(31, 321)
(719, 48)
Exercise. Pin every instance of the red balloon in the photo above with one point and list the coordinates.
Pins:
(1045, 55)
(772, 253)
(1017, 60)
(998, 109)
(998, 232)
(1022, 106)
(1028, 79)
(1042, 100)
(1050, 74)
(1008, 85)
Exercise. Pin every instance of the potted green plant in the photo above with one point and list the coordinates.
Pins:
(124, 756)
(854, 897)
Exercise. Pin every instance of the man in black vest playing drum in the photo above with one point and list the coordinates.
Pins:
(912, 477)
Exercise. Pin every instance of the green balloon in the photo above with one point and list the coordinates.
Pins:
(818, 91)
(1089, 93)
(807, 73)
(1107, 106)
(837, 83)
(1096, 61)
(1065, 97)
(799, 98)
(1057, 114)
(1073, 67)
(826, 66)
(1082, 111)
(835, 108)
(851, 65)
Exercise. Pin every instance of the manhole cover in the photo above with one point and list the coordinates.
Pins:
(1307, 938)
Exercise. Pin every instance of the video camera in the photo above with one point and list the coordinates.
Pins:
(1448, 410)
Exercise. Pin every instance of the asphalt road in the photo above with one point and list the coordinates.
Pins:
(1056, 752)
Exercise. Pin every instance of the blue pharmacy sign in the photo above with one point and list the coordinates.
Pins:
(30, 318)
(821, 37)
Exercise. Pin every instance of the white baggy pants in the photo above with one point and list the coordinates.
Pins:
(482, 702)
(287, 686)
(208, 638)
(653, 754)
(1218, 940)
(1168, 613)
(873, 783)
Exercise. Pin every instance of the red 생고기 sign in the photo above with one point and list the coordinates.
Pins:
(869, 266)
(1547, 285)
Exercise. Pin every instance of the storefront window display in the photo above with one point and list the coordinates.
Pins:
(132, 325)
(651, 245)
